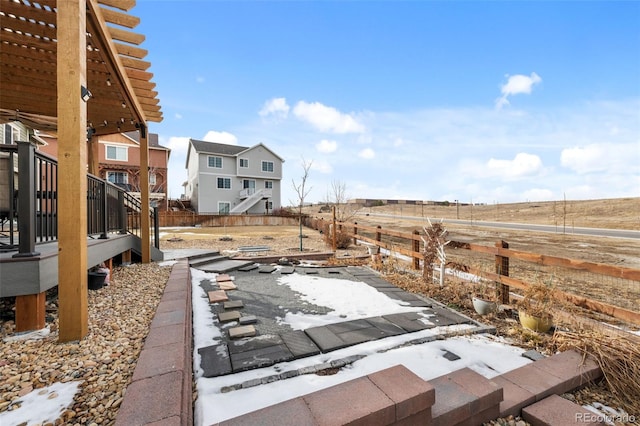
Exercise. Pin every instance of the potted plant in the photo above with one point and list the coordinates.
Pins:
(534, 309)
(483, 299)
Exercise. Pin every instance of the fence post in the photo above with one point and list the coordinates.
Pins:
(355, 233)
(415, 247)
(378, 236)
(333, 236)
(502, 268)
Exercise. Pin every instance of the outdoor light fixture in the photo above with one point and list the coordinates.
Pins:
(85, 94)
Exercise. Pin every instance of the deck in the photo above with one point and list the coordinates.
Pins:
(32, 275)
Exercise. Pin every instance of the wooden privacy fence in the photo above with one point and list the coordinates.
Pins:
(580, 283)
(188, 218)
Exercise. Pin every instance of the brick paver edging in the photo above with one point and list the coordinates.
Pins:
(160, 391)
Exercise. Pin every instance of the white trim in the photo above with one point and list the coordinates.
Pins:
(273, 168)
(224, 202)
(223, 188)
(214, 167)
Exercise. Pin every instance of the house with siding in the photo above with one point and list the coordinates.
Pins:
(232, 179)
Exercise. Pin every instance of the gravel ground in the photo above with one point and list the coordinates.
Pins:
(104, 361)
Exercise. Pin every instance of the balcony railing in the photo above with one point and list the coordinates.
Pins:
(29, 182)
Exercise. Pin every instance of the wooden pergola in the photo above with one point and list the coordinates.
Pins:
(74, 67)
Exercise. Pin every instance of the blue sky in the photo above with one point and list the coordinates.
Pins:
(484, 101)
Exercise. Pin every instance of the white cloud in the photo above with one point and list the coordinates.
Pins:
(598, 157)
(327, 119)
(515, 85)
(522, 165)
(326, 146)
(220, 137)
(178, 116)
(323, 167)
(367, 154)
(276, 107)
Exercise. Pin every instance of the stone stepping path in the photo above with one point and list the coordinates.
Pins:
(242, 331)
(223, 277)
(248, 319)
(249, 267)
(227, 285)
(233, 304)
(217, 296)
(229, 316)
(268, 269)
(241, 352)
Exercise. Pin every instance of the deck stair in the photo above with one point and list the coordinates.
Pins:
(215, 262)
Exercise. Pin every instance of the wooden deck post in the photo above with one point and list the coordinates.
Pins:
(145, 221)
(502, 268)
(72, 174)
(30, 312)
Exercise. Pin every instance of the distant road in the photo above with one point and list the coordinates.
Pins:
(594, 232)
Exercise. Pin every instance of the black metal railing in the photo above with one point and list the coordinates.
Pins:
(28, 183)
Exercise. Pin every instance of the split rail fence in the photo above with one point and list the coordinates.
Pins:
(607, 289)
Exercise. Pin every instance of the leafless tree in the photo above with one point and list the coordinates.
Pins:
(302, 191)
(338, 197)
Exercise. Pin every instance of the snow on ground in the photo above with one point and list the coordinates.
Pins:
(42, 406)
(485, 354)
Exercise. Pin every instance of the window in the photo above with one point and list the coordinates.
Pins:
(268, 184)
(244, 162)
(224, 207)
(215, 162)
(117, 177)
(117, 153)
(10, 134)
(152, 178)
(224, 183)
(267, 166)
(269, 205)
(248, 184)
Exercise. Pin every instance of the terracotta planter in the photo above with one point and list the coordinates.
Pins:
(484, 307)
(538, 324)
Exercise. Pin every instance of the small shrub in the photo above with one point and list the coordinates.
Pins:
(343, 240)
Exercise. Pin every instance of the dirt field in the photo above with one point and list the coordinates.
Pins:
(621, 213)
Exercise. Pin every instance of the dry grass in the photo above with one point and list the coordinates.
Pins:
(618, 358)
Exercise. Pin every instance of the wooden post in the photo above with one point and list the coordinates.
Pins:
(502, 268)
(93, 155)
(145, 221)
(355, 233)
(126, 257)
(72, 170)
(378, 236)
(333, 235)
(415, 247)
(30, 312)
